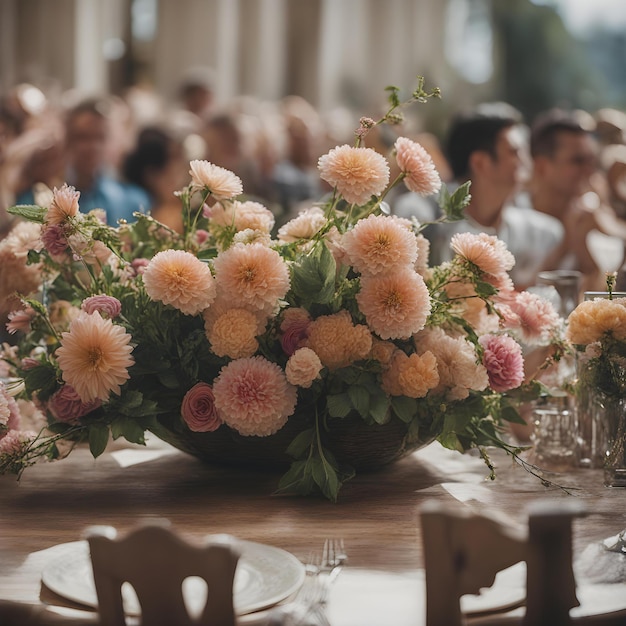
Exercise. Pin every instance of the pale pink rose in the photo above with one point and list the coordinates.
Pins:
(357, 173)
(457, 363)
(303, 367)
(535, 317)
(416, 164)
(486, 252)
(305, 226)
(94, 357)
(108, 306)
(178, 278)
(504, 361)
(16, 441)
(241, 215)
(233, 334)
(294, 327)
(20, 320)
(338, 341)
(395, 305)
(65, 405)
(221, 183)
(380, 244)
(198, 409)
(64, 205)
(252, 276)
(254, 397)
(54, 241)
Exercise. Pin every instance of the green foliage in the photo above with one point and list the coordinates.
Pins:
(313, 279)
(29, 212)
(453, 205)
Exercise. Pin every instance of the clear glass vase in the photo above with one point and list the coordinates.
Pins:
(613, 412)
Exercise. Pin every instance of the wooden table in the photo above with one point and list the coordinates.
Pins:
(377, 514)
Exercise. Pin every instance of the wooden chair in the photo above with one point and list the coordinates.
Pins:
(156, 561)
(463, 551)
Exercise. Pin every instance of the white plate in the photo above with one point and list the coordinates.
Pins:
(265, 576)
(508, 591)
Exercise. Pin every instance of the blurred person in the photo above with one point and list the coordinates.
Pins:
(486, 146)
(157, 164)
(566, 184)
(295, 178)
(196, 92)
(88, 170)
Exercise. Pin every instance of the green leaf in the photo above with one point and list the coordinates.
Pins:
(451, 441)
(404, 408)
(379, 406)
(297, 480)
(360, 399)
(511, 414)
(30, 212)
(453, 204)
(338, 404)
(299, 446)
(313, 280)
(128, 428)
(41, 379)
(98, 439)
(325, 477)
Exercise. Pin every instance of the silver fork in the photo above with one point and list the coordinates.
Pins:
(333, 557)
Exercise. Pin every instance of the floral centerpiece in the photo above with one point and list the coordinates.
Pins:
(597, 330)
(334, 328)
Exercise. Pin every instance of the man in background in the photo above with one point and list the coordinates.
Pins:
(486, 146)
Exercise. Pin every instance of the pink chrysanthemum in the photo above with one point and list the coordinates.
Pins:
(107, 306)
(241, 215)
(457, 363)
(379, 243)
(395, 305)
(220, 182)
(16, 441)
(417, 165)
(64, 205)
(178, 278)
(20, 320)
(534, 316)
(198, 409)
(54, 240)
(95, 356)
(504, 361)
(253, 396)
(305, 226)
(357, 173)
(487, 252)
(253, 276)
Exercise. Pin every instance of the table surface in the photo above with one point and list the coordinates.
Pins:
(377, 514)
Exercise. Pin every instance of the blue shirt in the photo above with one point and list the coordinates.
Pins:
(120, 200)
